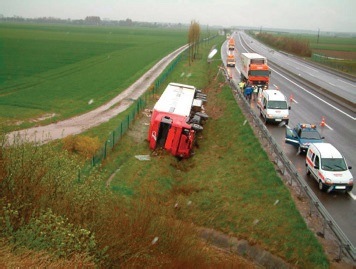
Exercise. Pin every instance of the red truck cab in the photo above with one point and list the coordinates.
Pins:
(176, 118)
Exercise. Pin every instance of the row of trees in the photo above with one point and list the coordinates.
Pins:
(193, 40)
(89, 20)
(288, 44)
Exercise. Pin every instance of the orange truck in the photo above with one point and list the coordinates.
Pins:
(255, 70)
(231, 44)
(230, 60)
(176, 119)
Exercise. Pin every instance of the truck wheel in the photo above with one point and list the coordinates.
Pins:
(321, 186)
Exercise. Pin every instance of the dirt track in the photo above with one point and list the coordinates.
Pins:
(104, 113)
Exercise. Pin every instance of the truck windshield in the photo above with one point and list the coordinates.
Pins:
(333, 164)
(259, 73)
(277, 105)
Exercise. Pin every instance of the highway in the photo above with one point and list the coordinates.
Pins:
(309, 104)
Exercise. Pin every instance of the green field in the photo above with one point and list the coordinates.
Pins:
(56, 69)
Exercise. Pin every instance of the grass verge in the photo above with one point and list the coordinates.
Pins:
(229, 185)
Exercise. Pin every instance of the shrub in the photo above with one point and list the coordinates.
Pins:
(83, 145)
(56, 234)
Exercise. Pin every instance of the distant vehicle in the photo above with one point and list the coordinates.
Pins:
(302, 135)
(230, 61)
(328, 167)
(255, 70)
(176, 118)
(231, 44)
(273, 106)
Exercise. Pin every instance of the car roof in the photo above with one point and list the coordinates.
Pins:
(327, 150)
(274, 95)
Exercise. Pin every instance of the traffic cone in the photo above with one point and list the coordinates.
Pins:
(322, 123)
(291, 98)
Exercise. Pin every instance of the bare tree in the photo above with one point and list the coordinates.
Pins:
(193, 40)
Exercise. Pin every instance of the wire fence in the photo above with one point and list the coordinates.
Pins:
(290, 172)
(134, 110)
(138, 106)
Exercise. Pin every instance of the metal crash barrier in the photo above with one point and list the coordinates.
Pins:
(345, 245)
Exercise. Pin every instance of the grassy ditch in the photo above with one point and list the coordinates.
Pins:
(229, 185)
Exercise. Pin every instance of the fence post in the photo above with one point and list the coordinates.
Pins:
(113, 139)
(105, 149)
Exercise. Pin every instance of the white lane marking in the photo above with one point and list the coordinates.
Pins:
(306, 66)
(353, 196)
(332, 84)
(334, 107)
(353, 85)
(328, 127)
(294, 101)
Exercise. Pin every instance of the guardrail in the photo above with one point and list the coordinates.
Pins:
(345, 245)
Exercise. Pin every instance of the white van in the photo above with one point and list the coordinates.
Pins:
(273, 106)
(326, 164)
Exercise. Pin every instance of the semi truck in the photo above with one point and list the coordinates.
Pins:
(255, 70)
(176, 119)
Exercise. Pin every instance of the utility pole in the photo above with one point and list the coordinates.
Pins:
(317, 42)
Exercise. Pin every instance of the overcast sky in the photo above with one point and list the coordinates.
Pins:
(326, 15)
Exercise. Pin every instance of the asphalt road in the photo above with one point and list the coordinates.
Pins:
(310, 105)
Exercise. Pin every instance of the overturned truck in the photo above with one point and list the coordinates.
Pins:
(176, 119)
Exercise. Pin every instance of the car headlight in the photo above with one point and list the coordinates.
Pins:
(328, 181)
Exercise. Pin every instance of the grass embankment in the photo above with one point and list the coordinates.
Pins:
(52, 72)
(229, 185)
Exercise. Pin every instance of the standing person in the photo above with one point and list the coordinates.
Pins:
(248, 92)
(255, 92)
(242, 85)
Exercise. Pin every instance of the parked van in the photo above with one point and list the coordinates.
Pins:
(326, 164)
(273, 106)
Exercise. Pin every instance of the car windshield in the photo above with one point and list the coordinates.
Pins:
(277, 104)
(333, 164)
(310, 135)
